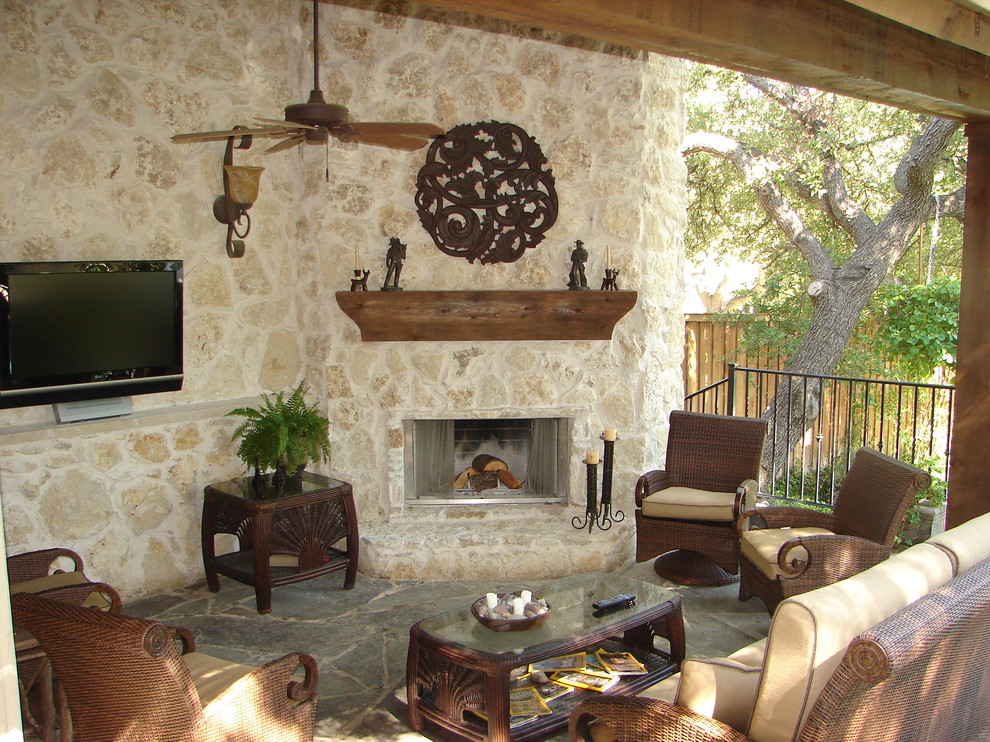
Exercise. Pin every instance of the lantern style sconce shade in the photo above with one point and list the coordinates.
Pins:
(242, 184)
(240, 191)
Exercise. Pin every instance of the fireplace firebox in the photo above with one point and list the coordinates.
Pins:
(487, 461)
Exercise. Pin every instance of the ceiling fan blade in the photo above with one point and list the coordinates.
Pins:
(286, 144)
(404, 128)
(287, 124)
(392, 141)
(210, 136)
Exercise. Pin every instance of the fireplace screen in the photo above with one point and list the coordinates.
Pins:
(487, 460)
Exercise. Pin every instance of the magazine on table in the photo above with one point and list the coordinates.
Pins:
(586, 680)
(621, 663)
(527, 702)
(550, 691)
(564, 662)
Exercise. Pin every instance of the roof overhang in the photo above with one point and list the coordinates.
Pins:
(923, 55)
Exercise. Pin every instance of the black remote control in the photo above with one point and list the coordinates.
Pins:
(623, 600)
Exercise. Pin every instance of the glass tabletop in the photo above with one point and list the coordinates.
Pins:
(571, 614)
(245, 487)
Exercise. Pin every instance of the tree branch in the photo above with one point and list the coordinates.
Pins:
(841, 207)
(756, 171)
(953, 205)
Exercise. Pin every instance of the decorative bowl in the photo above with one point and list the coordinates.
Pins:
(479, 609)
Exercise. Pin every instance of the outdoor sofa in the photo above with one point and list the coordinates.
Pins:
(897, 652)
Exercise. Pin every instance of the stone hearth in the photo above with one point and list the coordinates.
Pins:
(518, 542)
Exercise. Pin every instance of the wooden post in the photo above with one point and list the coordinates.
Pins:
(969, 494)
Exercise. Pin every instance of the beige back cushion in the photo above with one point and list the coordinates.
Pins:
(809, 634)
(968, 543)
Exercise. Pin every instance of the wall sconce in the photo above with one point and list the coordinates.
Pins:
(240, 191)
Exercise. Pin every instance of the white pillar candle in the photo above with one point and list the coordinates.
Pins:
(526, 595)
(518, 606)
(591, 457)
(609, 434)
(357, 258)
(608, 256)
(491, 600)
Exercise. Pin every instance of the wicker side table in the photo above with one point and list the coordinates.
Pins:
(282, 538)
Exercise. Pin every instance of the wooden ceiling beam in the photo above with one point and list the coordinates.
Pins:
(828, 44)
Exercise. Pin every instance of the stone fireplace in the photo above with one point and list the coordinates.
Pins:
(620, 183)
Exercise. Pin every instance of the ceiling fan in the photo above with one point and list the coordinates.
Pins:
(315, 121)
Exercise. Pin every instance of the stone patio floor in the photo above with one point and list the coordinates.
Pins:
(359, 637)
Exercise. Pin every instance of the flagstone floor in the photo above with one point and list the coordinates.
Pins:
(359, 637)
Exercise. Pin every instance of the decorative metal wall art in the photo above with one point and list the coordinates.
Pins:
(485, 192)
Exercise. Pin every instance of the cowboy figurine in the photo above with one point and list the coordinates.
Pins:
(579, 256)
(393, 262)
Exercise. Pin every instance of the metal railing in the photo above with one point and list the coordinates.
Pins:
(909, 421)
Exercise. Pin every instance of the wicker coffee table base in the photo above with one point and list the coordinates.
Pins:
(687, 567)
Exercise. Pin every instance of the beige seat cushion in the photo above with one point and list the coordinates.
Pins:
(809, 634)
(967, 543)
(685, 503)
(762, 545)
(212, 675)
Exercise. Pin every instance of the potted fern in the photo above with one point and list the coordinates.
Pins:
(283, 434)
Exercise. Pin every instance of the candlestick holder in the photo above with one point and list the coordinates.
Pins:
(605, 515)
(591, 508)
(611, 280)
(360, 280)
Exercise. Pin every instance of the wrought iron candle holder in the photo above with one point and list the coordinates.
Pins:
(595, 514)
(611, 280)
(605, 515)
(591, 508)
(360, 280)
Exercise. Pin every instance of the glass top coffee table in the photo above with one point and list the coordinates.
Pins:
(458, 671)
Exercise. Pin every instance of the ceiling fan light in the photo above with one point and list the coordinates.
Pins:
(242, 184)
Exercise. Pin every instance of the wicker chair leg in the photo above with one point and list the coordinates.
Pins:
(38, 705)
(62, 714)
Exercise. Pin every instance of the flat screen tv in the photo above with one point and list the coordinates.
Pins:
(74, 331)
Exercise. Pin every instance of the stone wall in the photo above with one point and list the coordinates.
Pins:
(91, 93)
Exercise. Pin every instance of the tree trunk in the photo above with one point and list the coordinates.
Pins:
(797, 402)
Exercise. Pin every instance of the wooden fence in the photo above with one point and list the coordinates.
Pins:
(709, 345)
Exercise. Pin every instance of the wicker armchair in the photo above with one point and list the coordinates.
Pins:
(125, 680)
(802, 549)
(686, 513)
(47, 572)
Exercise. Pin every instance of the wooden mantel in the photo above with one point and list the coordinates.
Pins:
(485, 315)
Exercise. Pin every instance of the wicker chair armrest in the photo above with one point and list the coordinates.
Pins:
(634, 719)
(744, 521)
(187, 643)
(652, 481)
(831, 556)
(34, 564)
(82, 593)
(273, 681)
(746, 496)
